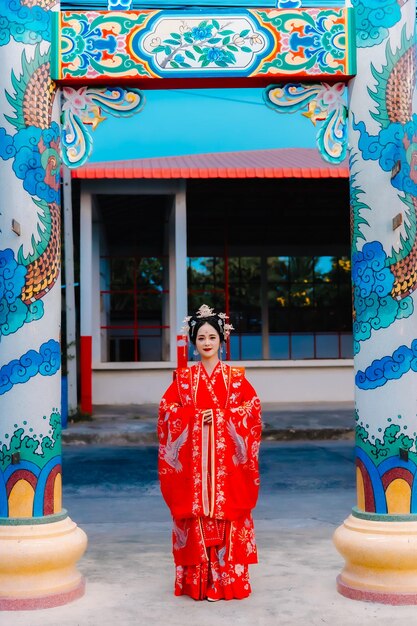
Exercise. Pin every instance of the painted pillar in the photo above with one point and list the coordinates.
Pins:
(177, 268)
(379, 539)
(39, 544)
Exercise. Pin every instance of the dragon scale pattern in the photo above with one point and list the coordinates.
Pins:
(43, 272)
(399, 102)
(405, 271)
(37, 110)
(43, 4)
(400, 88)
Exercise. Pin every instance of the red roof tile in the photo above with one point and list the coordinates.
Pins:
(283, 163)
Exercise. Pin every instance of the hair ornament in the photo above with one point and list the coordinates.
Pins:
(185, 326)
(206, 312)
(227, 330)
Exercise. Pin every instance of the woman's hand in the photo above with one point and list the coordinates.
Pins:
(208, 416)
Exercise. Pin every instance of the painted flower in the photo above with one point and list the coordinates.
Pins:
(201, 32)
(255, 39)
(215, 54)
(179, 58)
(155, 42)
(238, 41)
(332, 95)
(76, 100)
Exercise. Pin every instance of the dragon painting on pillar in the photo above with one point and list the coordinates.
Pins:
(383, 155)
(30, 462)
(32, 148)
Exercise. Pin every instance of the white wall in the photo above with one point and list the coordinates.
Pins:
(303, 381)
(277, 381)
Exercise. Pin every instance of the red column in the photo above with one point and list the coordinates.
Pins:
(182, 351)
(86, 374)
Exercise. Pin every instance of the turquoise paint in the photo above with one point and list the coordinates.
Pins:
(197, 121)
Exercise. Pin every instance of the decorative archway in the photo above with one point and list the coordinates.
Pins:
(127, 51)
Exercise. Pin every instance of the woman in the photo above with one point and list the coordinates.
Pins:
(209, 431)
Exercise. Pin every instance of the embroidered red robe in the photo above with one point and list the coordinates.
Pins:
(209, 478)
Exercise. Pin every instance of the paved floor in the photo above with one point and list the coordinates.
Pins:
(132, 424)
(307, 491)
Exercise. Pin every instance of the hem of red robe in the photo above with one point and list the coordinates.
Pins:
(206, 588)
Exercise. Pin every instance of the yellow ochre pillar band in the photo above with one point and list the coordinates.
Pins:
(38, 563)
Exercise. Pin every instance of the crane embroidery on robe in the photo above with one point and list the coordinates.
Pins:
(221, 554)
(241, 455)
(170, 452)
(181, 537)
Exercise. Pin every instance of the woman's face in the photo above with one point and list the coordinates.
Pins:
(207, 341)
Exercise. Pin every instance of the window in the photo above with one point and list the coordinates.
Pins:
(205, 278)
(309, 307)
(289, 307)
(134, 281)
(133, 305)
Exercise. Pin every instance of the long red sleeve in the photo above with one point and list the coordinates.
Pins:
(235, 432)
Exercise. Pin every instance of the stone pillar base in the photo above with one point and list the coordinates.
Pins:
(38, 562)
(381, 559)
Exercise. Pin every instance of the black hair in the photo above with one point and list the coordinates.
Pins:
(195, 323)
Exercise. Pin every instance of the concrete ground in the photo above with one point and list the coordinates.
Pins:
(307, 490)
(132, 424)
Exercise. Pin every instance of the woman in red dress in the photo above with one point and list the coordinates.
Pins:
(209, 431)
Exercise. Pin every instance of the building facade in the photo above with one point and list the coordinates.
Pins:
(262, 235)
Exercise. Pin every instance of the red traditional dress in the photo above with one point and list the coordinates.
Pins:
(209, 479)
